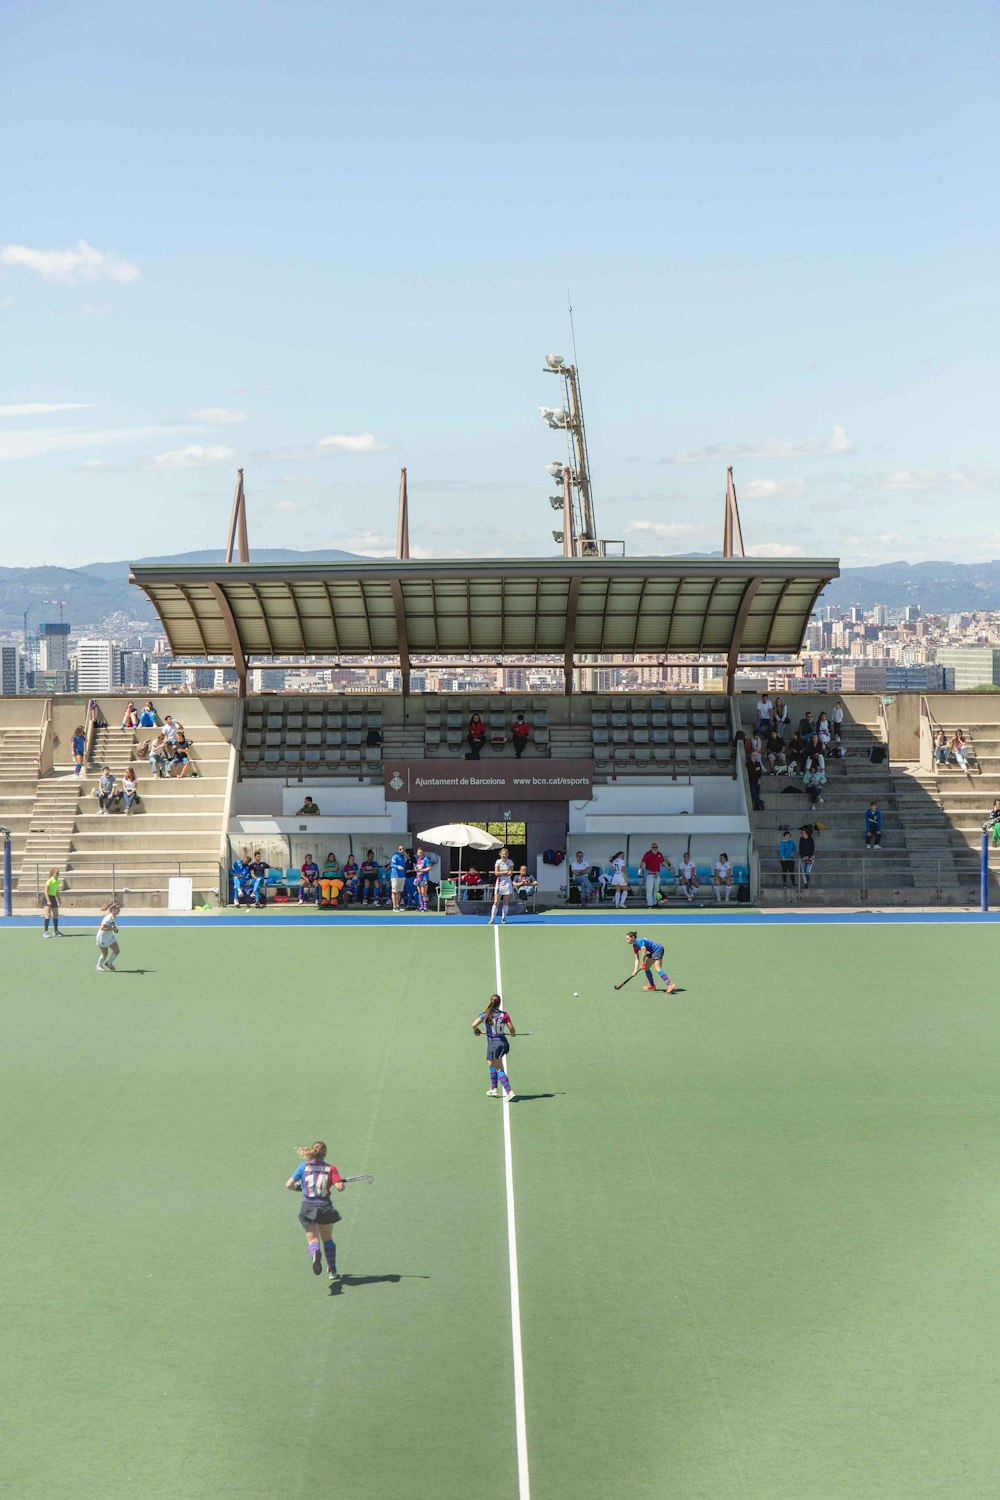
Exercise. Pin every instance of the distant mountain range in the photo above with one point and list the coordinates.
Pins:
(94, 594)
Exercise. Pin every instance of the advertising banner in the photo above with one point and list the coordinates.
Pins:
(489, 780)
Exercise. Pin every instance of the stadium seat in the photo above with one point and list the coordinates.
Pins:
(681, 736)
(699, 719)
(699, 736)
(354, 721)
(704, 874)
(702, 754)
(599, 736)
(640, 736)
(620, 736)
(659, 720)
(679, 720)
(720, 736)
(643, 756)
(541, 735)
(296, 705)
(660, 737)
(599, 719)
(619, 721)
(741, 875)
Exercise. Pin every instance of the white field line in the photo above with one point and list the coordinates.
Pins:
(523, 1484)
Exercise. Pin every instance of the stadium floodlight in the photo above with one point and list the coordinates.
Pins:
(556, 502)
(557, 536)
(554, 361)
(554, 416)
(556, 470)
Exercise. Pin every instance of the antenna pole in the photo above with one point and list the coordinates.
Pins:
(238, 524)
(403, 520)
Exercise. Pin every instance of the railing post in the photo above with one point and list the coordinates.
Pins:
(8, 878)
(984, 874)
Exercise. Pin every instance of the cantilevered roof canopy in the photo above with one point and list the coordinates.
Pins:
(566, 606)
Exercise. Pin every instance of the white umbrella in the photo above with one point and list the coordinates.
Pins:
(460, 836)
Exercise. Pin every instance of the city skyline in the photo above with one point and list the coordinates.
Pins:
(780, 245)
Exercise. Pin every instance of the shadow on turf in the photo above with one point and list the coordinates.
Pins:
(393, 1277)
(528, 1098)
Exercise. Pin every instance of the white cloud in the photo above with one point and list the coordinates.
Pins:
(672, 531)
(769, 448)
(71, 267)
(293, 479)
(218, 416)
(775, 549)
(194, 456)
(42, 408)
(362, 442)
(286, 505)
(771, 489)
(40, 442)
(968, 479)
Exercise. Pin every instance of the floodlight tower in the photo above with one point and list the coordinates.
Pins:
(579, 533)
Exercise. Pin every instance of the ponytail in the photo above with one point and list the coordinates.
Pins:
(315, 1152)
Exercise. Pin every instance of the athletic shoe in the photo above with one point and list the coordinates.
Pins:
(102, 968)
(670, 989)
(509, 1098)
(650, 987)
(57, 933)
(334, 1278)
(317, 1265)
(492, 1093)
(503, 921)
(46, 934)
(110, 968)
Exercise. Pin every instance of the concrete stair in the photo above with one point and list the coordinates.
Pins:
(50, 834)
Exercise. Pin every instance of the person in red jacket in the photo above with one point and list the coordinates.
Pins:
(652, 863)
(476, 736)
(521, 733)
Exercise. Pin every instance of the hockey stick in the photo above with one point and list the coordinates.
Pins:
(362, 1177)
(625, 981)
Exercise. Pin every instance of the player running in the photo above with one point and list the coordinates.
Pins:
(647, 955)
(313, 1178)
(503, 870)
(107, 939)
(496, 1022)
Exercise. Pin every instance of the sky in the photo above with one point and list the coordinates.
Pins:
(325, 241)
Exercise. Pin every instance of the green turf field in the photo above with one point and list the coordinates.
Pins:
(757, 1222)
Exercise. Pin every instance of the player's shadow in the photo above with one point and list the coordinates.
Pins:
(530, 1098)
(393, 1278)
(133, 971)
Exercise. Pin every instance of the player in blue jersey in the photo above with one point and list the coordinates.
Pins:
(647, 956)
(496, 1023)
(397, 878)
(313, 1178)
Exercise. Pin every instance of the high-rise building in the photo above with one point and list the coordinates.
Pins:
(970, 666)
(98, 666)
(10, 671)
(164, 676)
(133, 669)
(53, 647)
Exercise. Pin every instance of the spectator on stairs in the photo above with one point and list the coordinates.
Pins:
(155, 751)
(148, 719)
(823, 733)
(814, 779)
(755, 772)
(104, 791)
(807, 853)
(765, 713)
(786, 858)
(130, 790)
(476, 737)
(959, 750)
(79, 743)
(807, 727)
(941, 748)
(774, 754)
(838, 720)
(520, 733)
(992, 824)
(179, 765)
(130, 718)
(873, 825)
(780, 720)
(796, 753)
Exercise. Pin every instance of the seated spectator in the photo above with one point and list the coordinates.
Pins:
(130, 790)
(722, 878)
(807, 728)
(476, 736)
(350, 878)
(257, 870)
(130, 718)
(579, 874)
(104, 790)
(774, 754)
(155, 751)
(814, 780)
(814, 751)
(780, 720)
(959, 750)
(687, 876)
(370, 888)
(331, 881)
(525, 885)
(169, 729)
(473, 881)
(309, 888)
(807, 853)
(148, 719)
(796, 754)
(941, 748)
(823, 732)
(755, 744)
(308, 809)
(765, 713)
(520, 733)
(992, 824)
(179, 762)
(873, 826)
(652, 864)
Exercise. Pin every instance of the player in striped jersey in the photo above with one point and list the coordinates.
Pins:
(313, 1178)
(647, 955)
(496, 1023)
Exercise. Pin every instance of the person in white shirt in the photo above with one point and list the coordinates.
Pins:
(838, 720)
(503, 889)
(722, 879)
(579, 872)
(688, 877)
(107, 940)
(765, 713)
(169, 730)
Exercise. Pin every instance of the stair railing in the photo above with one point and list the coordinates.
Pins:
(43, 760)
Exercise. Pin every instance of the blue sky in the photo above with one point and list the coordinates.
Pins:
(324, 241)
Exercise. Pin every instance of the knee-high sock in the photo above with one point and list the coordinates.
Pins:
(45, 921)
(330, 1250)
(493, 1078)
(504, 1081)
(314, 1249)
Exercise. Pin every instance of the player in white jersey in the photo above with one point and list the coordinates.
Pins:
(722, 878)
(688, 877)
(503, 889)
(107, 939)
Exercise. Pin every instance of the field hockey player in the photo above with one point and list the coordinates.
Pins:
(313, 1178)
(496, 1022)
(647, 956)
